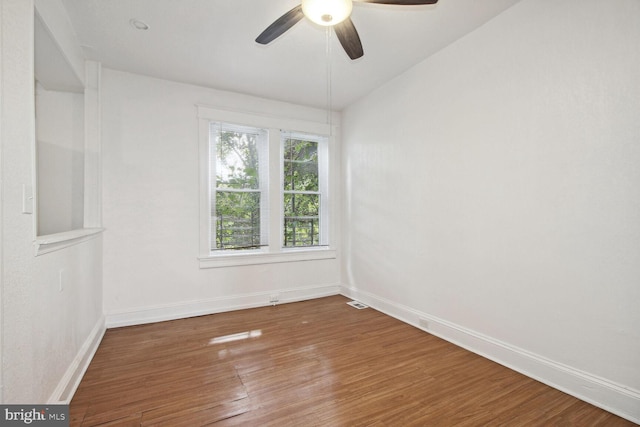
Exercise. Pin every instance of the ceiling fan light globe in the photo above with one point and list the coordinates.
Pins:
(327, 12)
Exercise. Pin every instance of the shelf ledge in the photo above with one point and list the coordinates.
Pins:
(54, 242)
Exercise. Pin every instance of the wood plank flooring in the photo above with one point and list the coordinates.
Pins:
(312, 363)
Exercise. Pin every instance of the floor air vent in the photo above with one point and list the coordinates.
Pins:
(358, 305)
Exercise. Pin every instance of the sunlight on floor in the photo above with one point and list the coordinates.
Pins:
(236, 337)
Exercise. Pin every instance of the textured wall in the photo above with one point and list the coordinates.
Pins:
(60, 139)
(496, 184)
(43, 327)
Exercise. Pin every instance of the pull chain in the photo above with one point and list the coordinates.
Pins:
(329, 88)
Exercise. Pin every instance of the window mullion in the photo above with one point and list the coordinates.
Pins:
(323, 187)
(265, 191)
(213, 147)
(275, 186)
(302, 192)
(238, 190)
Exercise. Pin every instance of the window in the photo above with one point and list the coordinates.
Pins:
(239, 200)
(264, 190)
(304, 190)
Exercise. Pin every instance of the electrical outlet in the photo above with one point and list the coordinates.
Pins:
(274, 298)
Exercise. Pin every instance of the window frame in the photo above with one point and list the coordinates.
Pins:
(322, 142)
(274, 252)
(263, 180)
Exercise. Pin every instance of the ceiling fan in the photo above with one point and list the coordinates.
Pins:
(329, 13)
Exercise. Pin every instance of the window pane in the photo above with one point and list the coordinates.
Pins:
(301, 232)
(237, 220)
(300, 165)
(301, 220)
(301, 205)
(237, 160)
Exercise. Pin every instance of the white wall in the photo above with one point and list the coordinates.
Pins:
(151, 211)
(493, 191)
(46, 330)
(60, 156)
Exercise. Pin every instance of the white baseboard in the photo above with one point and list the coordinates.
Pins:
(612, 397)
(182, 310)
(69, 382)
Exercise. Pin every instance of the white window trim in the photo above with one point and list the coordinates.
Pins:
(256, 258)
(274, 253)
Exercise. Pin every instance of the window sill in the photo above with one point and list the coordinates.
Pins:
(292, 255)
(57, 241)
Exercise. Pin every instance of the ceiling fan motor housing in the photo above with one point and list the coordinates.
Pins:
(327, 12)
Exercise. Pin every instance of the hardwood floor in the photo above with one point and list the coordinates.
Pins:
(312, 363)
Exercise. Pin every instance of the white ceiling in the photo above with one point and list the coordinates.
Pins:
(212, 43)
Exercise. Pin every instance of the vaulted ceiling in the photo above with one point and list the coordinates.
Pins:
(212, 43)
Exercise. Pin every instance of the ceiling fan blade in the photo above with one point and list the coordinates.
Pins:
(400, 2)
(281, 25)
(349, 38)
